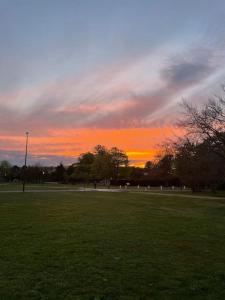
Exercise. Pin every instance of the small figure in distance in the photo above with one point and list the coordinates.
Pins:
(127, 184)
(95, 184)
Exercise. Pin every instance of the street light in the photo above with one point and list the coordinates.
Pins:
(25, 163)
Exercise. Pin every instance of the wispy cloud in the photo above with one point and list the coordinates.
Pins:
(115, 97)
(136, 93)
(17, 158)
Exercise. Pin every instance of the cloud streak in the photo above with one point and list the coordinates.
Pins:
(137, 93)
(112, 98)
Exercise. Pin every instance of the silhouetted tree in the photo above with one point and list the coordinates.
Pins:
(207, 123)
(197, 166)
(149, 165)
(5, 170)
(59, 173)
(119, 159)
(82, 169)
(102, 167)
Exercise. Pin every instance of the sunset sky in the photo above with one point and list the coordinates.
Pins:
(113, 72)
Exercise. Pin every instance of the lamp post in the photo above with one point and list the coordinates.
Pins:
(25, 163)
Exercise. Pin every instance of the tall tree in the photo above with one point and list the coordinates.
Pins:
(82, 169)
(102, 168)
(164, 168)
(100, 150)
(119, 159)
(197, 166)
(60, 173)
(207, 123)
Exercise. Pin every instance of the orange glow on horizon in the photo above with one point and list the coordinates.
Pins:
(140, 144)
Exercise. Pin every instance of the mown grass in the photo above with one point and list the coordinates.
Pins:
(48, 186)
(111, 246)
(37, 186)
(60, 186)
(204, 193)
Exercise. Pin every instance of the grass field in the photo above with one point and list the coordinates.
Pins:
(111, 246)
(36, 186)
(59, 186)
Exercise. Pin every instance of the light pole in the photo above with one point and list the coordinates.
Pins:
(25, 163)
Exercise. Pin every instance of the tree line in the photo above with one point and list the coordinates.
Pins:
(101, 166)
(197, 159)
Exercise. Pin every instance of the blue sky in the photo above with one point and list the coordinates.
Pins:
(116, 65)
(44, 40)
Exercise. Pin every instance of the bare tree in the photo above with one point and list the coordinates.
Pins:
(207, 123)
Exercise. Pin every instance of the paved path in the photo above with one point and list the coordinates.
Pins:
(116, 191)
(62, 190)
(181, 195)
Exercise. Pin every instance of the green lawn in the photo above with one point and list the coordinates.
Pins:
(111, 246)
(38, 186)
(48, 186)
